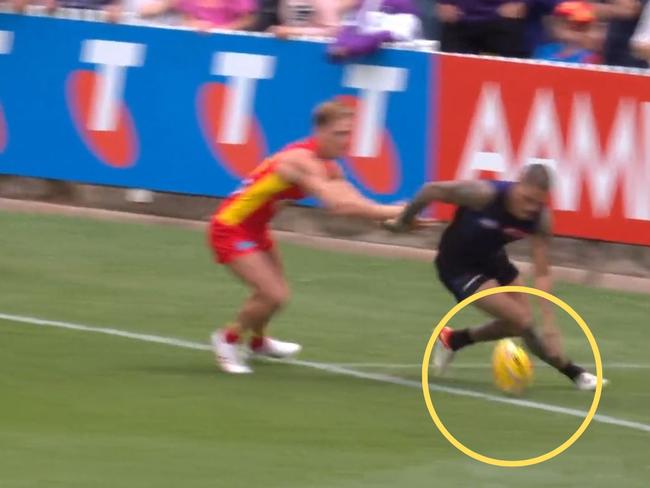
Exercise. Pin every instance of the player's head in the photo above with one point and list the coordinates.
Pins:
(333, 129)
(530, 195)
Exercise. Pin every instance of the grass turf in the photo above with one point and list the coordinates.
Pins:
(84, 410)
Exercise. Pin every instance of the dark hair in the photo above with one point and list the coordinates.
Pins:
(330, 111)
(537, 175)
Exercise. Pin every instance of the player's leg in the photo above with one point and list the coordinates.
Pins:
(511, 313)
(511, 318)
(511, 310)
(261, 344)
(514, 317)
(452, 340)
(269, 292)
(551, 337)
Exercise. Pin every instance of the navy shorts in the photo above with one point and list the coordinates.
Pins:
(462, 280)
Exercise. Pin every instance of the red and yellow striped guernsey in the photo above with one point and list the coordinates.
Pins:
(252, 205)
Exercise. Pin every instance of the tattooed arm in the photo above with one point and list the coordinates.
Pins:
(540, 249)
(472, 194)
(540, 245)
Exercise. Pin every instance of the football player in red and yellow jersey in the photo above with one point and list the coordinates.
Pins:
(240, 236)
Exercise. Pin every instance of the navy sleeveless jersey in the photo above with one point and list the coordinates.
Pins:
(476, 236)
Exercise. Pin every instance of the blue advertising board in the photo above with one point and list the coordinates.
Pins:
(180, 111)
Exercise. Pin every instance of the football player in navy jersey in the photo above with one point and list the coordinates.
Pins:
(472, 257)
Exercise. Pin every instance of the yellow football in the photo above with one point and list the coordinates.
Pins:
(511, 367)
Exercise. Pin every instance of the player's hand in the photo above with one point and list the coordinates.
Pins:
(113, 13)
(512, 10)
(203, 27)
(422, 223)
(449, 14)
(397, 226)
(280, 31)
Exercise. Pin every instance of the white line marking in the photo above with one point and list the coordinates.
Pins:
(336, 369)
(482, 365)
(107, 331)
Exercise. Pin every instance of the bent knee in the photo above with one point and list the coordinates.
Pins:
(277, 296)
(521, 322)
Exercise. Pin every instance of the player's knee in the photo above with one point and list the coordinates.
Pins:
(521, 322)
(278, 296)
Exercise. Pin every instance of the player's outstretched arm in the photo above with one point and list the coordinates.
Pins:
(540, 250)
(338, 196)
(472, 194)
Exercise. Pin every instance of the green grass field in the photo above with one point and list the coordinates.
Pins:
(83, 409)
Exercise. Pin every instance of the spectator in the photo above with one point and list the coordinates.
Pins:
(80, 4)
(307, 18)
(129, 9)
(267, 15)
(428, 17)
(371, 23)
(623, 17)
(640, 43)
(570, 26)
(535, 32)
(111, 7)
(595, 38)
(483, 27)
(204, 15)
(19, 6)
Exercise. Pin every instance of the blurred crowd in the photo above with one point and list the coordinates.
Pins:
(612, 32)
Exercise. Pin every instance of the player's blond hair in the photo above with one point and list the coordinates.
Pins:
(330, 111)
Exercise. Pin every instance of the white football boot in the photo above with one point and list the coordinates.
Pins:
(443, 354)
(230, 357)
(587, 382)
(273, 348)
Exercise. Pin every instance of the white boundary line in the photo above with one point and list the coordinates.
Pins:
(336, 369)
(479, 365)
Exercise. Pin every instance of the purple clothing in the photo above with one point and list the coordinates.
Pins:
(84, 4)
(359, 36)
(398, 7)
(480, 10)
(218, 12)
(487, 10)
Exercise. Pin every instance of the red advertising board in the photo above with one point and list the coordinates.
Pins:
(591, 126)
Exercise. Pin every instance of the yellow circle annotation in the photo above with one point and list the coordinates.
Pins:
(512, 463)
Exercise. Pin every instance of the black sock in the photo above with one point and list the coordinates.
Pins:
(571, 371)
(460, 339)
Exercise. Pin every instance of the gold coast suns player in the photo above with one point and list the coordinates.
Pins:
(240, 237)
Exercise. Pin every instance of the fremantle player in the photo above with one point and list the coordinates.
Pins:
(472, 257)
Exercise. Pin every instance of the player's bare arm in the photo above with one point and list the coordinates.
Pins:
(540, 246)
(472, 194)
(337, 195)
(540, 249)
